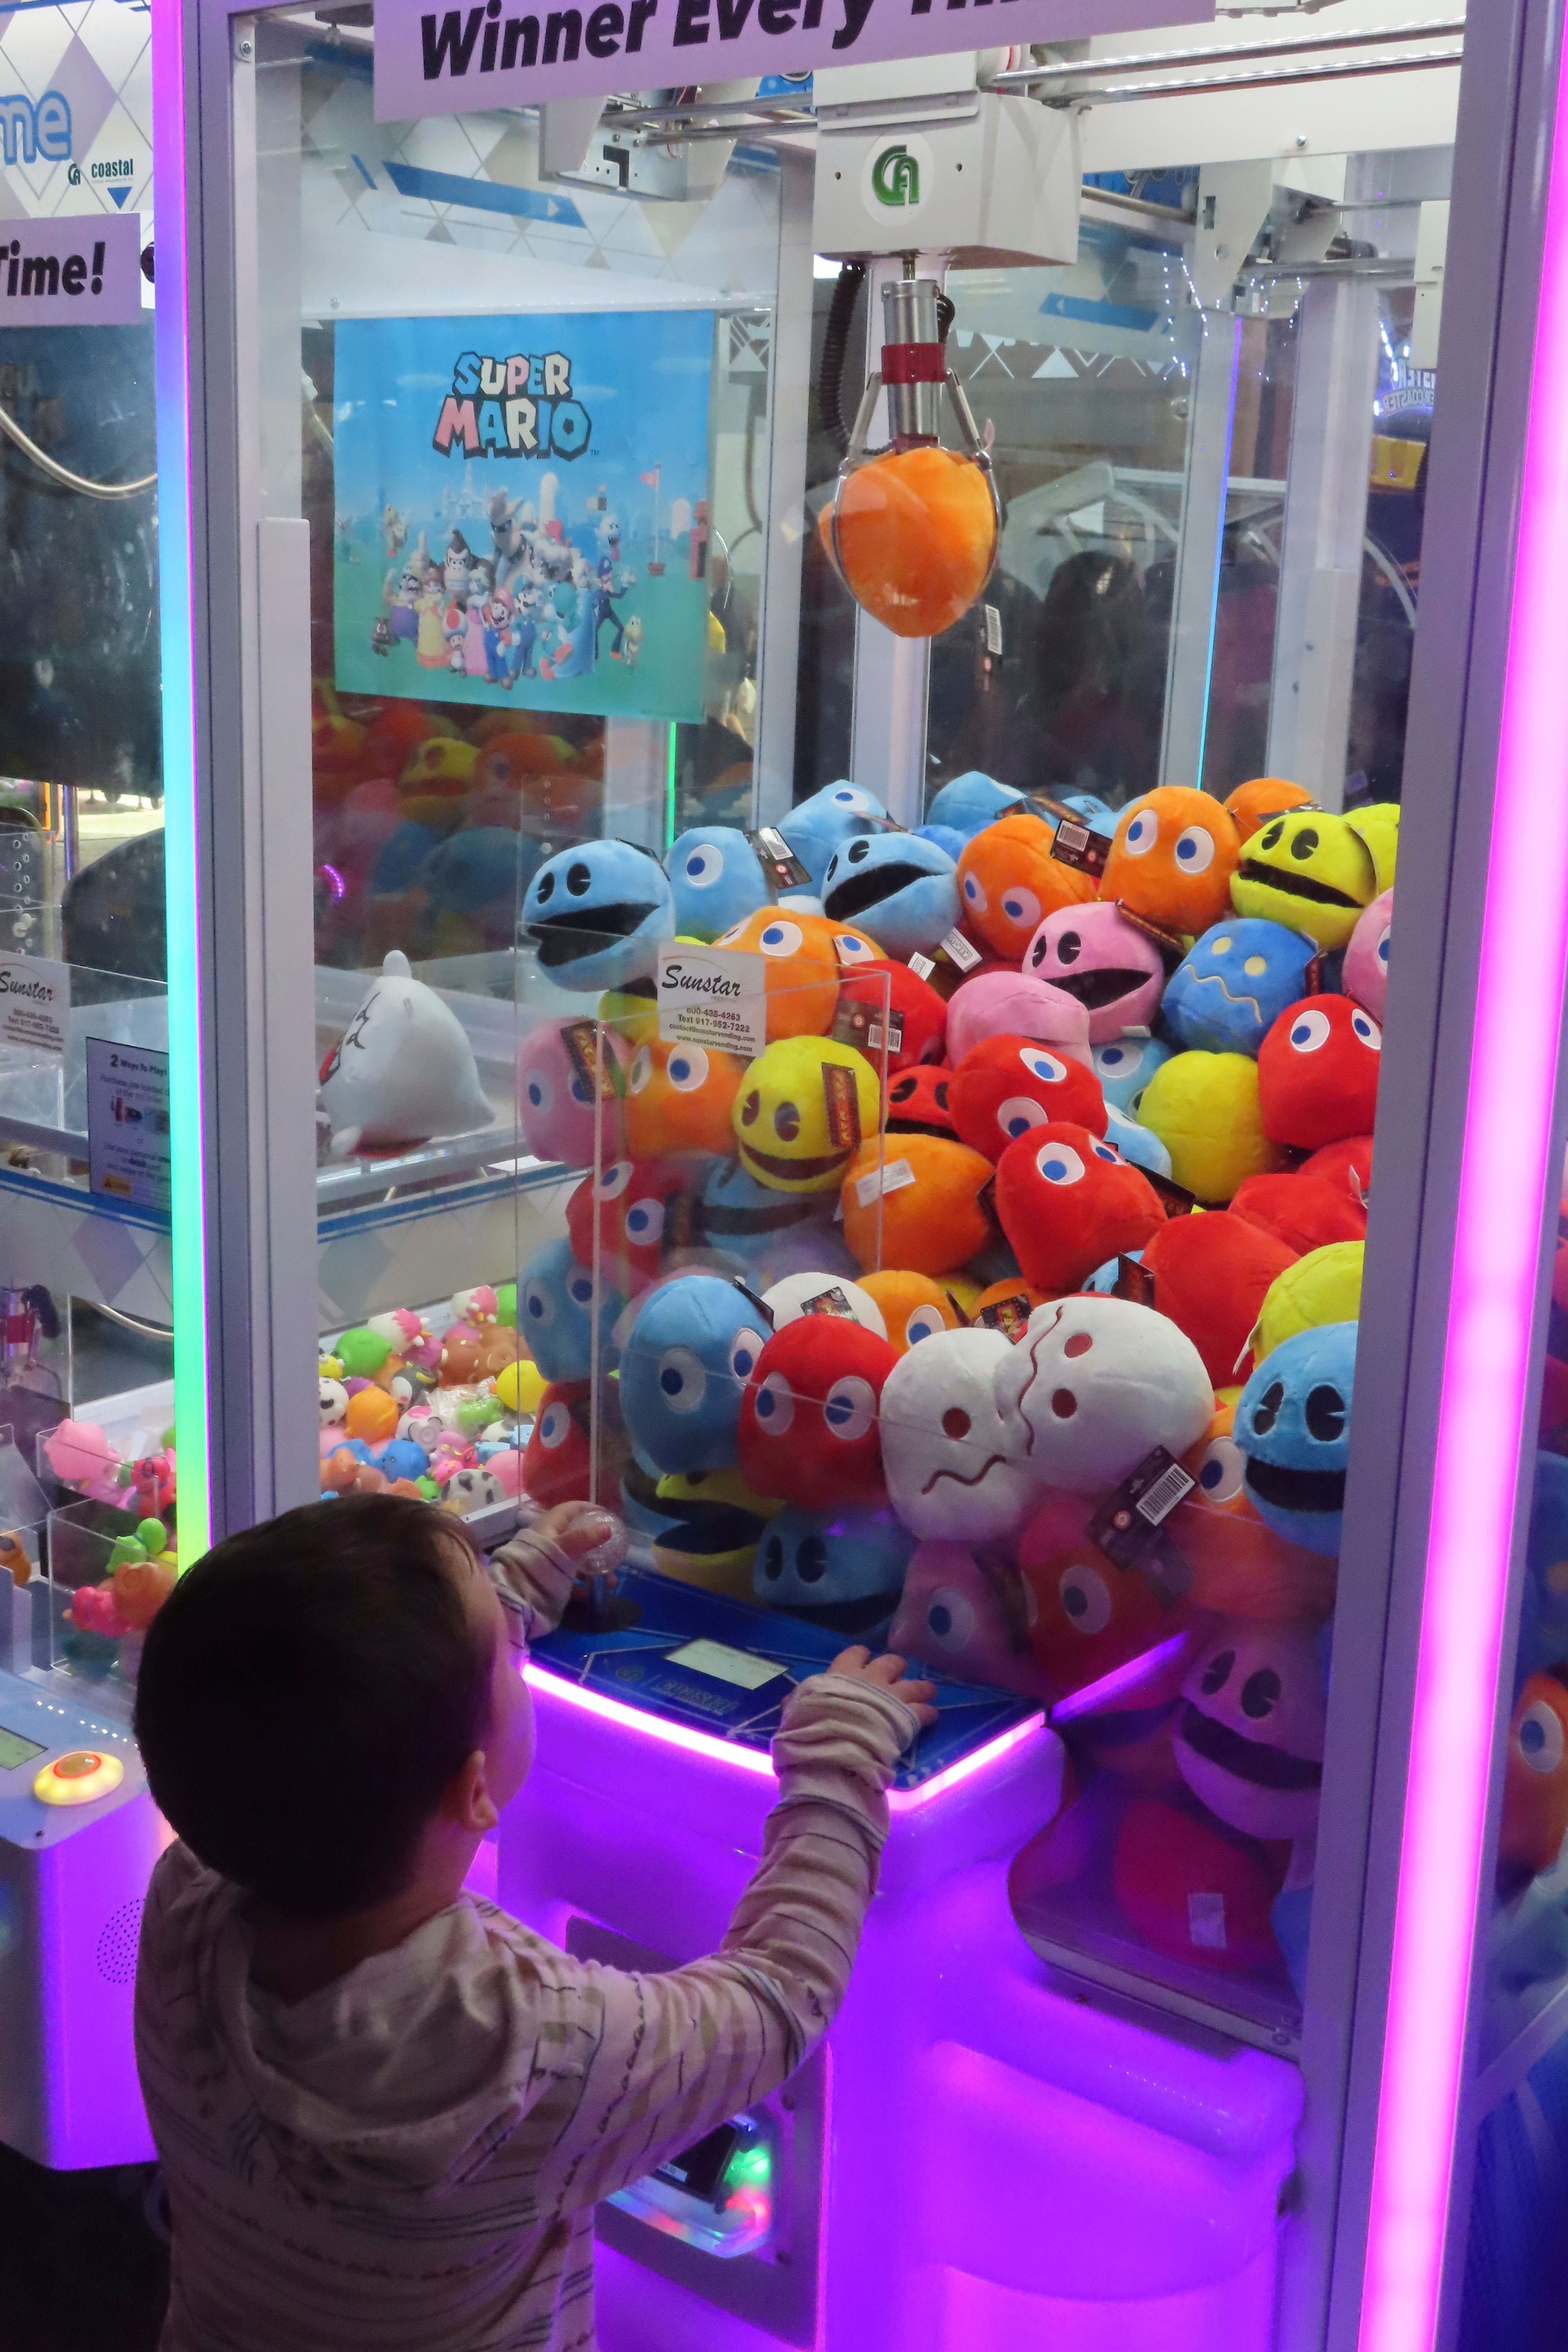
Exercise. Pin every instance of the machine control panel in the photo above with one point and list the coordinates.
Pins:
(63, 1762)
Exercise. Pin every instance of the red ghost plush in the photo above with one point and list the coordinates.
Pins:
(809, 1417)
(1067, 1201)
(1004, 1086)
(1317, 1073)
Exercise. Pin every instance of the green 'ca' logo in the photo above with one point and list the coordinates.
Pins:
(895, 177)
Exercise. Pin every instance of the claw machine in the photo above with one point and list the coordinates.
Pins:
(861, 632)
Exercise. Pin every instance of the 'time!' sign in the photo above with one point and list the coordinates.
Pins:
(77, 269)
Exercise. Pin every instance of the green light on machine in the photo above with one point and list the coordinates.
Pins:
(750, 2168)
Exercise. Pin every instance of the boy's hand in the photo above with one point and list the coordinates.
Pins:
(594, 1540)
(888, 1671)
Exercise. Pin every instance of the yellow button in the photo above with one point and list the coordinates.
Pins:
(78, 1779)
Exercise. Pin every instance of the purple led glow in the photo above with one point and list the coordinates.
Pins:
(1486, 1376)
(1119, 1681)
(751, 1760)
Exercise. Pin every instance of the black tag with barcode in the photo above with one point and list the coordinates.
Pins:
(777, 859)
(1126, 1524)
(1075, 844)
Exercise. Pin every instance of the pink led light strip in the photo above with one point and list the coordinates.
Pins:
(750, 1759)
(1486, 1374)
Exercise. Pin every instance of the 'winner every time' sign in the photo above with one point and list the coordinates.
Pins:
(490, 53)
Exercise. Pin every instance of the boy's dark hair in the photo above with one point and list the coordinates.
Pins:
(306, 1693)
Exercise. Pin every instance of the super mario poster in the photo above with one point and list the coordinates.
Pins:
(522, 509)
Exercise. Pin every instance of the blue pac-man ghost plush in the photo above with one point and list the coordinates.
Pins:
(1234, 982)
(1124, 1068)
(1544, 1613)
(597, 914)
(903, 890)
(971, 802)
(946, 836)
(688, 1356)
(765, 1234)
(840, 1569)
(717, 880)
(814, 829)
(1089, 810)
(1138, 1144)
(556, 1314)
(1293, 1424)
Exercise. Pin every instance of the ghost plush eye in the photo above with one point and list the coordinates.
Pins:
(775, 1405)
(644, 1222)
(781, 940)
(539, 1306)
(974, 894)
(580, 1090)
(902, 1091)
(1367, 1030)
(1021, 906)
(849, 948)
(924, 1324)
(850, 1407)
(1107, 1151)
(613, 1180)
(1142, 833)
(580, 1289)
(1325, 1413)
(847, 798)
(683, 1383)
(687, 1068)
(1222, 947)
(1194, 849)
(1044, 1067)
(1220, 1471)
(1266, 1412)
(704, 867)
(555, 1422)
(1019, 1113)
(1069, 948)
(950, 1616)
(578, 878)
(1255, 967)
(1113, 1057)
(773, 1558)
(1383, 950)
(1260, 1694)
(744, 1350)
(1086, 1599)
(1308, 1031)
(641, 1070)
(812, 1560)
(541, 1094)
(1539, 1739)
(1059, 1164)
(787, 1122)
(955, 1423)
(1217, 1674)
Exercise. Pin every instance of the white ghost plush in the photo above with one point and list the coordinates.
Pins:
(952, 1470)
(403, 1069)
(1093, 1386)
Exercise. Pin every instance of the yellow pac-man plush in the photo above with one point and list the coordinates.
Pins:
(1309, 870)
(1204, 1108)
(803, 1106)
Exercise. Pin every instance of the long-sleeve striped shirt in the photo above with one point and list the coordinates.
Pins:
(406, 2160)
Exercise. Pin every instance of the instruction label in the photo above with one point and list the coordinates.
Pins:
(35, 1005)
(127, 1145)
(714, 996)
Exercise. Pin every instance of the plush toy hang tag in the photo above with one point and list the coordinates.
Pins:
(599, 1069)
(832, 1301)
(957, 1310)
(1178, 1201)
(1076, 846)
(1312, 978)
(843, 1104)
(764, 1310)
(862, 1026)
(1008, 1316)
(777, 859)
(959, 950)
(890, 1177)
(1127, 1522)
(922, 966)
(1134, 1282)
(986, 1200)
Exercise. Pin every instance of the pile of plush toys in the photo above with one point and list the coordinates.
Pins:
(1003, 1304)
(108, 1617)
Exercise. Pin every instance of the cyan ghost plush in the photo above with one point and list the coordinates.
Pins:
(717, 880)
(1234, 982)
(597, 913)
(815, 827)
(690, 1352)
(1293, 1424)
(840, 1569)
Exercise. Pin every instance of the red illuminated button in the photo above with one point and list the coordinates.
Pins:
(79, 1779)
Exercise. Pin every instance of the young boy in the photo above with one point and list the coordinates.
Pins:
(384, 2109)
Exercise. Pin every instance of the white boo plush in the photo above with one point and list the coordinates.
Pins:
(403, 1069)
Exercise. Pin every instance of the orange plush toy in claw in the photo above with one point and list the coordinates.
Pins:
(1009, 882)
(1210, 1276)
(913, 536)
(1067, 1202)
(801, 972)
(1317, 1073)
(917, 1202)
(1172, 857)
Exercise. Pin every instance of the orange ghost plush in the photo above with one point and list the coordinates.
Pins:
(1172, 857)
(1009, 882)
(1535, 1780)
(1261, 797)
(801, 972)
(679, 1099)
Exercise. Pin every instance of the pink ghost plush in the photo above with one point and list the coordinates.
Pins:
(1106, 961)
(1010, 1004)
(1365, 972)
(555, 1100)
(965, 1614)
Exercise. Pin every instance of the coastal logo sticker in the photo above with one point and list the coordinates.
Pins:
(897, 178)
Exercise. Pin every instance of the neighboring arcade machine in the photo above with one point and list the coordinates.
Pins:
(943, 1216)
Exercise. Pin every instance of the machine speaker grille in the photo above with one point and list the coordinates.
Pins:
(117, 1944)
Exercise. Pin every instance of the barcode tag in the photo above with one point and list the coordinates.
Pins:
(958, 950)
(596, 1066)
(1178, 1201)
(922, 966)
(892, 1177)
(860, 1025)
(777, 859)
(1125, 1524)
(1134, 1282)
(1075, 845)
(993, 629)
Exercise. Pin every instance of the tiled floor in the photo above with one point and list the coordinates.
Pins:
(80, 2271)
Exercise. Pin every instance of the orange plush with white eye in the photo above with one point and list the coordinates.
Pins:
(802, 971)
(1009, 882)
(1172, 859)
(1535, 1780)
(1240, 1567)
(913, 1306)
(679, 1099)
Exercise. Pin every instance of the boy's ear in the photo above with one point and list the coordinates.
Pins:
(467, 1803)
